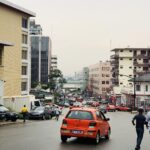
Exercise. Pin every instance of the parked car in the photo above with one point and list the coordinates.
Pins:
(5, 114)
(110, 107)
(40, 113)
(122, 108)
(85, 123)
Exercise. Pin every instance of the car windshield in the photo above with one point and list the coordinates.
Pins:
(2, 108)
(83, 115)
(39, 108)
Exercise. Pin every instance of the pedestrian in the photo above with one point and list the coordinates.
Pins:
(24, 112)
(148, 120)
(57, 111)
(140, 122)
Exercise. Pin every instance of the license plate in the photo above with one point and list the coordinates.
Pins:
(77, 132)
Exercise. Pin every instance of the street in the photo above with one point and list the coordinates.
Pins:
(44, 135)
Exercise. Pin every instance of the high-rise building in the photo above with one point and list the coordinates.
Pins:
(128, 63)
(54, 62)
(40, 55)
(100, 78)
(15, 59)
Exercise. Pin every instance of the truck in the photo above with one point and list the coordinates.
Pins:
(15, 103)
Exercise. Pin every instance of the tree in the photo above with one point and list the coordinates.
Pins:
(53, 78)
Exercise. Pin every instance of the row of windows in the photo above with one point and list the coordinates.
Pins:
(105, 75)
(138, 88)
(105, 68)
(135, 60)
(105, 82)
(143, 52)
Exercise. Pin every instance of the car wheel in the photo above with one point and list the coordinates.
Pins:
(13, 120)
(63, 139)
(107, 137)
(97, 139)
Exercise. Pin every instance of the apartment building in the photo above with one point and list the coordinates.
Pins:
(40, 55)
(128, 63)
(15, 59)
(100, 78)
(54, 62)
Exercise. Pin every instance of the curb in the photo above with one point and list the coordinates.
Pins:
(7, 123)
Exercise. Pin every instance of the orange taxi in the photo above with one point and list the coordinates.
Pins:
(86, 123)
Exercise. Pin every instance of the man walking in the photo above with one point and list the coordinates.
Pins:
(148, 120)
(140, 122)
(24, 112)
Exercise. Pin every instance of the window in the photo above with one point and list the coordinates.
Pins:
(107, 75)
(107, 82)
(130, 58)
(130, 50)
(138, 88)
(130, 67)
(24, 70)
(103, 89)
(23, 86)
(121, 58)
(121, 50)
(24, 39)
(121, 83)
(24, 23)
(1, 57)
(145, 61)
(145, 68)
(24, 54)
(146, 88)
(82, 115)
(143, 52)
(121, 67)
(103, 75)
(103, 82)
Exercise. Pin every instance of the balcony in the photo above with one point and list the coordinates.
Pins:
(136, 64)
(141, 56)
(114, 56)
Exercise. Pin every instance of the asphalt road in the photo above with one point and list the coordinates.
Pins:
(44, 135)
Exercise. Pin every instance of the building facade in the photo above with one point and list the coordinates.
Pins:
(100, 78)
(40, 55)
(15, 59)
(128, 63)
(54, 62)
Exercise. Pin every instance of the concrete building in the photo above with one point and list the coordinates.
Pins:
(128, 63)
(100, 78)
(54, 62)
(15, 60)
(40, 55)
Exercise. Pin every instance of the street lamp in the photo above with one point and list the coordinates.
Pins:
(134, 92)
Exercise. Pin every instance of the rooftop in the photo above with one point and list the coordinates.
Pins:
(16, 7)
(133, 49)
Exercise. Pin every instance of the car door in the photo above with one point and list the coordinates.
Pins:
(100, 122)
(105, 123)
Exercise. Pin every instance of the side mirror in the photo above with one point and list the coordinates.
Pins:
(107, 119)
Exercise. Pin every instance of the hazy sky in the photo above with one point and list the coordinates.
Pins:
(84, 31)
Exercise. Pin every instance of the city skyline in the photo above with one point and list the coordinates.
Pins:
(84, 32)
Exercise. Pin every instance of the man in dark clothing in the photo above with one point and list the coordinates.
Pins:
(140, 122)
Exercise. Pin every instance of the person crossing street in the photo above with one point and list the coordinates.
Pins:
(24, 112)
(140, 122)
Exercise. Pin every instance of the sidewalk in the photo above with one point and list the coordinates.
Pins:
(5, 123)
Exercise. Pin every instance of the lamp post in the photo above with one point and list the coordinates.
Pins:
(134, 92)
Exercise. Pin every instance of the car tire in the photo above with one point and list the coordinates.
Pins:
(63, 139)
(13, 120)
(97, 138)
(107, 137)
